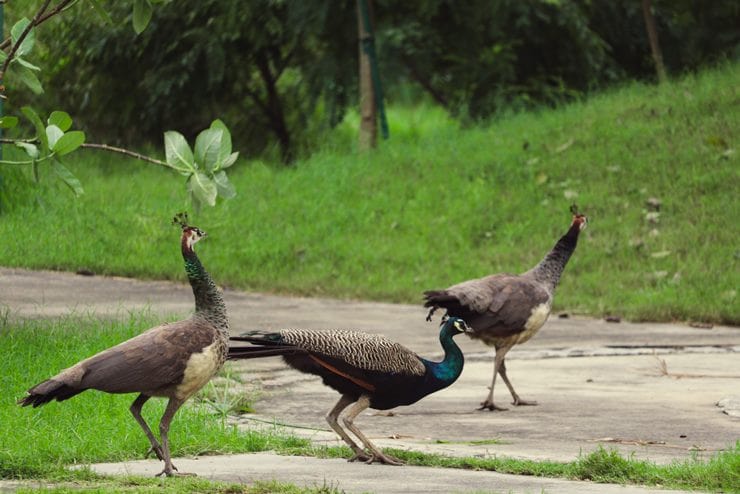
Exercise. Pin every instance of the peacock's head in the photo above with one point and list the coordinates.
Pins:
(579, 220)
(456, 324)
(190, 234)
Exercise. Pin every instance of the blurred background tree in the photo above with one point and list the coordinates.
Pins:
(282, 73)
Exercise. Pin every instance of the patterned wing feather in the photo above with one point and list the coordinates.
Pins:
(361, 350)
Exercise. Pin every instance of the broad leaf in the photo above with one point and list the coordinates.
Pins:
(225, 189)
(39, 125)
(68, 177)
(230, 160)
(68, 142)
(102, 13)
(31, 150)
(203, 188)
(35, 168)
(28, 78)
(15, 33)
(27, 64)
(142, 15)
(177, 151)
(61, 119)
(53, 133)
(207, 148)
(225, 150)
(8, 122)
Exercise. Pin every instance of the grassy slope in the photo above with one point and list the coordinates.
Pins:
(436, 205)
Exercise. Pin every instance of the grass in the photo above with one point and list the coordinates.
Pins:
(95, 427)
(437, 204)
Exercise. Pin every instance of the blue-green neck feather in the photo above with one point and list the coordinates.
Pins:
(446, 372)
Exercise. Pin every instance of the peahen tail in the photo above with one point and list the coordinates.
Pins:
(47, 391)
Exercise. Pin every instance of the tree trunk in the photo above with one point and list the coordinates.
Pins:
(274, 110)
(368, 121)
(652, 32)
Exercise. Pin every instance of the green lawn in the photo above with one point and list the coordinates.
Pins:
(437, 204)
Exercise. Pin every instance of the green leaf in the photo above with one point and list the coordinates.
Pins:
(35, 168)
(53, 133)
(203, 188)
(31, 150)
(68, 142)
(230, 160)
(8, 122)
(177, 151)
(225, 150)
(61, 119)
(142, 15)
(28, 78)
(207, 148)
(225, 188)
(68, 177)
(27, 64)
(15, 33)
(102, 13)
(39, 125)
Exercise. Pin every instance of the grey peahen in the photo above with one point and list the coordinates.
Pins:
(173, 360)
(368, 370)
(504, 310)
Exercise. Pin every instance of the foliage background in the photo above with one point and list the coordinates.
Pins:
(282, 74)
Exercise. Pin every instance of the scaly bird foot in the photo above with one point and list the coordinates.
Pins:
(488, 405)
(519, 403)
(172, 472)
(385, 459)
(360, 456)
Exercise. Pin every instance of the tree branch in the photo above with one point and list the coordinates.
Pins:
(131, 154)
(14, 48)
(44, 17)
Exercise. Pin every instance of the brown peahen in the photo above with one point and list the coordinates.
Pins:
(504, 310)
(173, 360)
(369, 371)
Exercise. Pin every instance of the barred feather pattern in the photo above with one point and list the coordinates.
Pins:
(366, 351)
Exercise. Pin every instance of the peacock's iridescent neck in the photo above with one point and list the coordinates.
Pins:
(449, 369)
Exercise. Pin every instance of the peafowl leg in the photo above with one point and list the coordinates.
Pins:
(349, 420)
(164, 428)
(517, 401)
(135, 409)
(333, 417)
(497, 364)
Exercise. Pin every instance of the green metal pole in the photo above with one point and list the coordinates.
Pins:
(368, 46)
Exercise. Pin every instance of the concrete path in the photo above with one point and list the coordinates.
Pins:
(662, 392)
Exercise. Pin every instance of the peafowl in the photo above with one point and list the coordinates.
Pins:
(504, 310)
(173, 360)
(368, 370)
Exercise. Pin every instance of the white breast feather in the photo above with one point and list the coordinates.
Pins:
(535, 321)
(198, 371)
